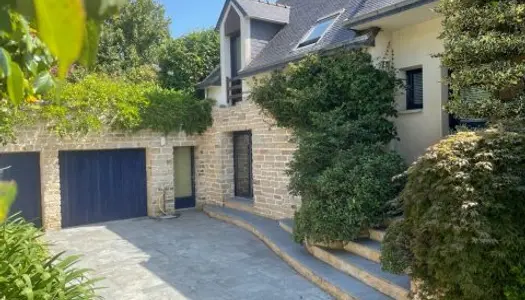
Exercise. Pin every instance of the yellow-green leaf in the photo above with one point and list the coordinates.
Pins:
(91, 40)
(61, 25)
(7, 197)
(5, 63)
(15, 84)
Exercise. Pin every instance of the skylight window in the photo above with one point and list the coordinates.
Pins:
(317, 32)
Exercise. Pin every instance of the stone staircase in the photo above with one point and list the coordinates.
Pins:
(353, 272)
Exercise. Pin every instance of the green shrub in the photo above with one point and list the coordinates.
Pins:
(186, 113)
(349, 196)
(98, 102)
(483, 46)
(395, 249)
(515, 290)
(340, 107)
(95, 103)
(27, 271)
(464, 213)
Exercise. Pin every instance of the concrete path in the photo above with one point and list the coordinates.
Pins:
(193, 257)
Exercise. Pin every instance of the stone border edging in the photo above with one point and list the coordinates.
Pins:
(297, 266)
(384, 286)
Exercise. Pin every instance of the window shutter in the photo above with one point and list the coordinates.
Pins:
(415, 89)
(418, 89)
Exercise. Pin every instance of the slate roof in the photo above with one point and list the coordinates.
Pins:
(213, 79)
(303, 15)
(258, 9)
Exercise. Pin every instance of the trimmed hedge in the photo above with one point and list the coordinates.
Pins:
(464, 205)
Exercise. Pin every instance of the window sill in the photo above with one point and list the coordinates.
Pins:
(410, 111)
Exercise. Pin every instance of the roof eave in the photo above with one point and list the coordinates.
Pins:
(348, 44)
(384, 12)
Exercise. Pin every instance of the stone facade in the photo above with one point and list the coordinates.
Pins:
(271, 151)
(159, 163)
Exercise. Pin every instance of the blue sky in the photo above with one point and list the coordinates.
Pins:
(190, 15)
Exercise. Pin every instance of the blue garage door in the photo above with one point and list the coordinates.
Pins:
(100, 186)
(24, 168)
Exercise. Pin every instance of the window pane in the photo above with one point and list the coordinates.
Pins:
(318, 30)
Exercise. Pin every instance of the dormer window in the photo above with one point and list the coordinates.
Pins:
(317, 31)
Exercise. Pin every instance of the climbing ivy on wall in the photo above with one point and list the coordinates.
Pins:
(99, 102)
(340, 107)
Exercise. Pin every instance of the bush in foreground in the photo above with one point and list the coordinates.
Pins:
(27, 271)
(464, 205)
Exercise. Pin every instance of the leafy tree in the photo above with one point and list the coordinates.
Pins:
(189, 59)
(31, 54)
(134, 37)
(484, 48)
(340, 108)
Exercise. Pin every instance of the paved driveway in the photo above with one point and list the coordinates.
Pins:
(193, 257)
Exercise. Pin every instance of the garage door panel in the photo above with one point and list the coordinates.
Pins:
(24, 168)
(99, 186)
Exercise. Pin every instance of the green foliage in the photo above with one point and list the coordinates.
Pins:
(99, 102)
(347, 196)
(93, 104)
(26, 63)
(189, 59)
(27, 271)
(395, 249)
(8, 191)
(24, 73)
(464, 216)
(340, 107)
(181, 110)
(485, 46)
(516, 289)
(133, 38)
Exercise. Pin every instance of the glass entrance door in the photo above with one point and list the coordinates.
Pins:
(184, 176)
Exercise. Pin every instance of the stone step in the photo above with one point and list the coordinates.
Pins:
(367, 248)
(369, 272)
(335, 282)
(364, 247)
(287, 225)
(240, 205)
(377, 234)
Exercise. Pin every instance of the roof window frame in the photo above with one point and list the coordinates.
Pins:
(335, 16)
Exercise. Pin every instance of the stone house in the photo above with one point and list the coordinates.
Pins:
(258, 37)
(241, 160)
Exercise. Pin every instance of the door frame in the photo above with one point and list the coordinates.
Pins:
(250, 177)
(192, 199)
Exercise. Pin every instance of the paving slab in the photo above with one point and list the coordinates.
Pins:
(271, 230)
(193, 257)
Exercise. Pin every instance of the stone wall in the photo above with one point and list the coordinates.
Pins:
(159, 163)
(271, 151)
